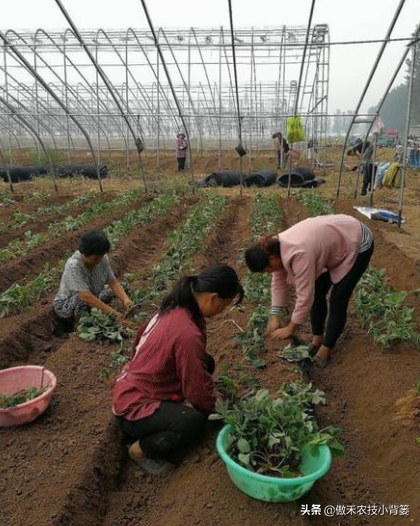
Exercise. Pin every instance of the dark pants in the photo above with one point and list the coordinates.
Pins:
(368, 177)
(68, 311)
(339, 300)
(169, 431)
(181, 163)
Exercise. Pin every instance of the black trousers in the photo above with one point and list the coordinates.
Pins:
(339, 300)
(367, 177)
(169, 431)
(181, 163)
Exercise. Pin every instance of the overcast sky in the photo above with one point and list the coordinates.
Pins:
(355, 20)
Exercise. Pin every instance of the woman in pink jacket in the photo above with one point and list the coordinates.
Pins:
(316, 255)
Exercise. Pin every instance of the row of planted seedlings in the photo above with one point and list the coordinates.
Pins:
(272, 435)
(182, 244)
(84, 479)
(381, 309)
(56, 229)
(19, 297)
(19, 219)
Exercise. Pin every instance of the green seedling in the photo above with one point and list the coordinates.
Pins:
(269, 434)
(314, 203)
(294, 354)
(383, 312)
(6, 402)
(97, 325)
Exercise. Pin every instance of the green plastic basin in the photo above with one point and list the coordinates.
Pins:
(276, 489)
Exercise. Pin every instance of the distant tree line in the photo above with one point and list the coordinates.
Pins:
(394, 109)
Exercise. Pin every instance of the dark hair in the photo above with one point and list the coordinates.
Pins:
(218, 278)
(94, 243)
(358, 147)
(257, 256)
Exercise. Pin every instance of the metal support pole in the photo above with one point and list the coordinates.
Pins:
(238, 110)
(34, 131)
(407, 130)
(174, 95)
(6, 167)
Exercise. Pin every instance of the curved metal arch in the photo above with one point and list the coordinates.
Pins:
(20, 104)
(165, 97)
(6, 167)
(62, 80)
(16, 137)
(196, 117)
(31, 70)
(25, 88)
(33, 48)
(363, 94)
(34, 131)
(105, 34)
(94, 122)
(79, 72)
(165, 67)
(107, 83)
(139, 86)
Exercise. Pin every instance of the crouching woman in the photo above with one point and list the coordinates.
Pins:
(165, 392)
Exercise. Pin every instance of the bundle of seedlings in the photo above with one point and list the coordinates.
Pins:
(97, 325)
(294, 354)
(6, 402)
(268, 435)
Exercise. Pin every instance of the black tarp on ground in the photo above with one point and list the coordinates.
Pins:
(261, 178)
(225, 179)
(22, 173)
(87, 170)
(300, 177)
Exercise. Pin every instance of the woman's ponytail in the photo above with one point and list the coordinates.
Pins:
(219, 279)
(182, 296)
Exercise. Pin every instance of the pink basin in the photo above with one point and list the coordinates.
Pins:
(16, 379)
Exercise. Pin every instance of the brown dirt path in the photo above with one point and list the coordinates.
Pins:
(41, 223)
(57, 470)
(364, 387)
(199, 492)
(32, 264)
(28, 335)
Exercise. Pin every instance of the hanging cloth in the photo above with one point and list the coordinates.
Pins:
(295, 131)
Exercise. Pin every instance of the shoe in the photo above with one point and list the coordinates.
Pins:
(155, 466)
(313, 349)
(152, 466)
(319, 362)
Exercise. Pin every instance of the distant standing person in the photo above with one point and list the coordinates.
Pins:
(87, 281)
(181, 151)
(282, 148)
(365, 154)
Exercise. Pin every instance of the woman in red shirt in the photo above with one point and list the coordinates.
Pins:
(165, 392)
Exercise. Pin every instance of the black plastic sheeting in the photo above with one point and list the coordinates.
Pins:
(300, 177)
(22, 173)
(225, 179)
(87, 170)
(261, 179)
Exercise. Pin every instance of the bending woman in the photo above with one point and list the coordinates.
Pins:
(316, 255)
(165, 392)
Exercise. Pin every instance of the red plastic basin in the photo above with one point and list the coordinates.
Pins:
(16, 379)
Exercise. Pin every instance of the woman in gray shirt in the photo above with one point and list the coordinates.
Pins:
(84, 280)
